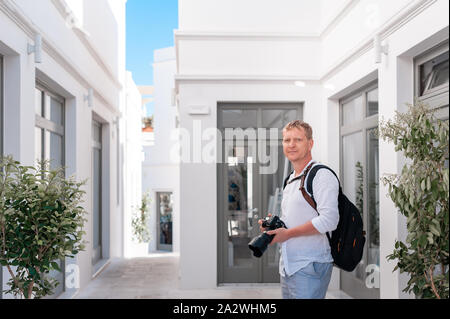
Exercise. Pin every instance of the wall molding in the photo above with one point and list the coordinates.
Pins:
(277, 79)
(338, 17)
(30, 29)
(245, 36)
(402, 17)
(267, 36)
(399, 19)
(84, 37)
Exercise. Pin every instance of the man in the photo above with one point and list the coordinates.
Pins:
(305, 263)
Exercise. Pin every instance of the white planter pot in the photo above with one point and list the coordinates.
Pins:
(138, 249)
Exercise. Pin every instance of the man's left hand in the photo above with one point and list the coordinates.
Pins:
(281, 235)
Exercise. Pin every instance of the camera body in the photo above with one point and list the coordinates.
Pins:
(260, 243)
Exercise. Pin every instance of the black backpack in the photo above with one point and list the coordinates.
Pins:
(348, 239)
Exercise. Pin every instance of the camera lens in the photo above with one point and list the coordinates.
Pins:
(259, 244)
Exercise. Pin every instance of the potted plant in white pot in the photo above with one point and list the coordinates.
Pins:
(139, 222)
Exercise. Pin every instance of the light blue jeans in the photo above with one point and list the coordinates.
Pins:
(310, 282)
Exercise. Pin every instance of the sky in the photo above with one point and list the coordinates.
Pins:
(150, 25)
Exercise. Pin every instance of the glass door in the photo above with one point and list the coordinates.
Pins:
(250, 181)
(360, 182)
(241, 214)
(165, 208)
(97, 191)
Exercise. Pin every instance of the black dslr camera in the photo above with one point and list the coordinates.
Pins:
(259, 244)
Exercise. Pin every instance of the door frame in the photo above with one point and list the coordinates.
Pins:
(159, 246)
(349, 283)
(221, 232)
(96, 145)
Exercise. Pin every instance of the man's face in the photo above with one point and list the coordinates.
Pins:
(295, 144)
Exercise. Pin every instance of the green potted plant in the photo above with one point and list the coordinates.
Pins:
(421, 194)
(41, 222)
(139, 223)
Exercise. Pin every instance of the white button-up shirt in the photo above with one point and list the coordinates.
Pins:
(298, 252)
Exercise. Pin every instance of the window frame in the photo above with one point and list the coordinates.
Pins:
(97, 255)
(1, 144)
(367, 120)
(436, 97)
(363, 126)
(47, 125)
(1, 111)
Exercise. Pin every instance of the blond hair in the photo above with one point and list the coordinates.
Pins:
(298, 125)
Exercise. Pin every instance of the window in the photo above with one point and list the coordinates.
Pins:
(431, 77)
(431, 74)
(49, 130)
(360, 178)
(49, 145)
(165, 209)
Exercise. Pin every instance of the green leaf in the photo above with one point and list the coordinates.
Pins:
(55, 266)
(434, 230)
(423, 185)
(422, 241)
(411, 200)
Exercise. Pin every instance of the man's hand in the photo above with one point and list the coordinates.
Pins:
(281, 235)
(263, 229)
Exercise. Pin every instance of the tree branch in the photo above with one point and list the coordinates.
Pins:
(15, 279)
(432, 283)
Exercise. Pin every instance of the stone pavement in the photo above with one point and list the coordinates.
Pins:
(156, 277)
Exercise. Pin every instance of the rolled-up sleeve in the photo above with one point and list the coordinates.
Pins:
(326, 192)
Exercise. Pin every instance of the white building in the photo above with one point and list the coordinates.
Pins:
(260, 63)
(160, 171)
(131, 142)
(81, 79)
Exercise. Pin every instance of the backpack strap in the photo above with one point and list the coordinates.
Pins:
(306, 196)
(313, 173)
(286, 180)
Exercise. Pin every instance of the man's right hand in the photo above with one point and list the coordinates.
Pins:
(263, 229)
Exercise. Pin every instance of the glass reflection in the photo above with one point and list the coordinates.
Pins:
(240, 173)
(165, 219)
(352, 111)
(272, 196)
(353, 181)
(373, 198)
(434, 73)
(372, 103)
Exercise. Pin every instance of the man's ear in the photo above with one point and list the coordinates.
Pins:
(311, 144)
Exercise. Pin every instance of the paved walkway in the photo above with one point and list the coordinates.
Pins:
(156, 277)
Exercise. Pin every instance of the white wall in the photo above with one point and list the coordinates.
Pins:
(70, 67)
(227, 62)
(132, 152)
(199, 203)
(396, 84)
(160, 172)
(249, 15)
